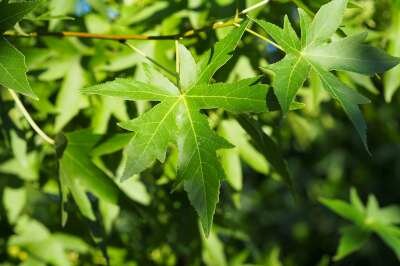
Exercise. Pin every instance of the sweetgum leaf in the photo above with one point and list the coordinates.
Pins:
(366, 220)
(13, 69)
(12, 62)
(177, 119)
(314, 52)
(79, 176)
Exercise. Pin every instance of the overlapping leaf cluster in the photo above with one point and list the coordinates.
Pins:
(316, 51)
(176, 119)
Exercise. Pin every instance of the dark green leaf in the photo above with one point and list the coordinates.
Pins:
(11, 13)
(267, 146)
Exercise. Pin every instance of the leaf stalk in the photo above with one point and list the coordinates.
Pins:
(30, 120)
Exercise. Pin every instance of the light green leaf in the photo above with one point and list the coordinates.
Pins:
(230, 158)
(356, 201)
(14, 201)
(213, 251)
(305, 23)
(187, 68)
(352, 239)
(132, 90)
(113, 144)
(11, 13)
(391, 236)
(344, 209)
(389, 215)
(69, 101)
(13, 69)
(326, 22)
(291, 34)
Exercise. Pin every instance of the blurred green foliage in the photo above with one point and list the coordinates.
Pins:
(139, 221)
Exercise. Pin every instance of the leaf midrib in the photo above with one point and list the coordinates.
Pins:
(198, 151)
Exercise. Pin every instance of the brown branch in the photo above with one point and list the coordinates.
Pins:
(125, 37)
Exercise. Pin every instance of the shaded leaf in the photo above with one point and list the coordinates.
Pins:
(11, 13)
(267, 146)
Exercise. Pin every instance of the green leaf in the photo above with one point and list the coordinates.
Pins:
(391, 236)
(78, 175)
(230, 158)
(349, 100)
(213, 251)
(344, 209)
(356, 201)
(242, 96)
(314, 52)
(13, 69)
(294, 71)
(155, 129)
(14, 201)
(351, 54)
(216, 57)
(279, 35)
(389, 215)
(381, 221)
(326, 22)
(69, 94)
(177, 119)
(198, 163)
(132, 90)
(11, 13)
(352, 239)
(391, 79)
(305, 23)
(187, 68)
(113, 144)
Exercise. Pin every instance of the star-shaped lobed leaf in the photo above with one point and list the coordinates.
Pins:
(79, 175)
(366, 220)
(177, 119)
(12, 62)
(313, 52)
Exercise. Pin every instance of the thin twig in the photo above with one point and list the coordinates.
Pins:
(137, 50)
(258, 5)
(28, 117)
(303, 6)
(124, 37)
(262, 37)
(178, 64)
